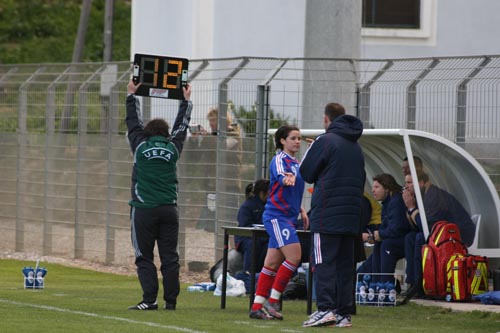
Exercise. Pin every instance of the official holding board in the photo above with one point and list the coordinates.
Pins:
(154, 214)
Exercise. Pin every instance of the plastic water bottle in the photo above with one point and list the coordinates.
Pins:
(362, 294)
(206, 286)
(371, 293)
(195, 288)
(381, 294)
(392, 292)
(392, 295)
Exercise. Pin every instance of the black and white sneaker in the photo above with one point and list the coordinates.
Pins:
(144, 306)
(343, 321)
(320, 318)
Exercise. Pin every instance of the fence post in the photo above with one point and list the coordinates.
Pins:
(223, 198)
(462, 103)
(411, 118)
(81, 175)
(363, 98)
(261, 130)
(21, 154)
(21, 148)
(49, 158)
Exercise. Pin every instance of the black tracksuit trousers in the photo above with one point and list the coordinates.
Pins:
(333, 258)
(158, 225)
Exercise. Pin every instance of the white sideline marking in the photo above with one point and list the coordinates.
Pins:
(90, 314)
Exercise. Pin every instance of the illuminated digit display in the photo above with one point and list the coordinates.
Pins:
(172, 77)
(161, 76)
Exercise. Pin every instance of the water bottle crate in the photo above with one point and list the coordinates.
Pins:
(370, 290)
(34, 278)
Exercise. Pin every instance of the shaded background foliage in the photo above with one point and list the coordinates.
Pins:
(44, 31)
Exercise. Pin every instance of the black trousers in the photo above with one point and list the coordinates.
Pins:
(333, 257)
(158, 225)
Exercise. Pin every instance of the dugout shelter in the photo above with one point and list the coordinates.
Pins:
(449, 167)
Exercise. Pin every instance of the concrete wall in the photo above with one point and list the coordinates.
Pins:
(219, 29)
(450, 28)
(300, 28)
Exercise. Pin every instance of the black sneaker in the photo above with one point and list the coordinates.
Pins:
(169, 306)
(144, 306)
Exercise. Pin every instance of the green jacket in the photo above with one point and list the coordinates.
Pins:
(154, 175)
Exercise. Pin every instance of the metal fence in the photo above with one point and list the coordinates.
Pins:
(65, 163)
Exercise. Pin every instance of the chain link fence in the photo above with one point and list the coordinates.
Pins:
(65, 164)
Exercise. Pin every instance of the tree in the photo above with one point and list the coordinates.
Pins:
(44, 31)
(247, 120)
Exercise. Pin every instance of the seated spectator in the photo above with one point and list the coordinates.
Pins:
(390, 236)
(372, 217)
(439, 206)
(250, 213)
(419, 165)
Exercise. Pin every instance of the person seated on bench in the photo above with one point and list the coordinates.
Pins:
(390, 236)
(439, 206)
(372, 217)
(250, 213)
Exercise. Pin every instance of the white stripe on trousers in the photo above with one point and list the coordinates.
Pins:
(317, 249)
(137, 251)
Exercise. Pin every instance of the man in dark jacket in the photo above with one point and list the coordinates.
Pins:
(439, 206)
(335, 164)
(154, 214)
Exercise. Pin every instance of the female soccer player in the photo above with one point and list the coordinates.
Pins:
(282, 209)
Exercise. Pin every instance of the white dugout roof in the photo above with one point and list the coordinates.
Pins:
(449, 167)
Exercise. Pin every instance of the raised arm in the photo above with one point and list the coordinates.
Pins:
(135, 126)
(181, 124)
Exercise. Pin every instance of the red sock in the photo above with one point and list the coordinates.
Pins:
(266, 279)
(283, 276)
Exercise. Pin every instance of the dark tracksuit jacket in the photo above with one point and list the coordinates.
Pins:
(154, 177)
(443, 206)
(335, 164)
(395, 226)
(250, 213)
(154, 214)
(439, 206)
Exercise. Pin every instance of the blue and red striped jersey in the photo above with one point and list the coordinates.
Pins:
(284, 201)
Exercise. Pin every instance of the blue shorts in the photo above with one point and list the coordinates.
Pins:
(281, 232)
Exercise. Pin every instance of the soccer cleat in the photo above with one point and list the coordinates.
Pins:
(144, 306)
(273, 309)
(320, 318)
(260, 314)
(343, 321)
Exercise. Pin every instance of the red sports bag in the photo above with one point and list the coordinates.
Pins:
(469, 276)
(444, 242)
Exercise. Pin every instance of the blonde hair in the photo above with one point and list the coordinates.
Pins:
(232, 129)
(213, 113)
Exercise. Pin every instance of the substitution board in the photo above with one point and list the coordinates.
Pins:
(160, 76)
